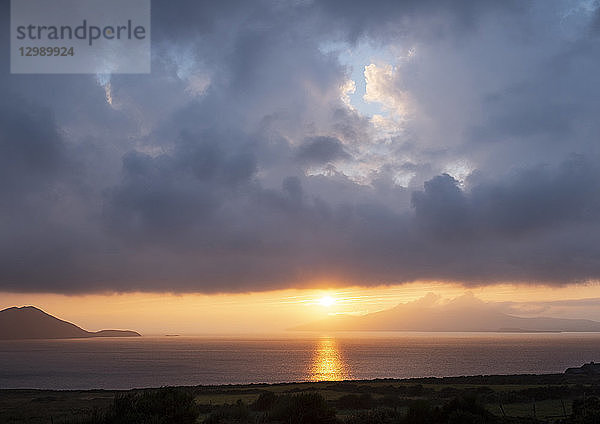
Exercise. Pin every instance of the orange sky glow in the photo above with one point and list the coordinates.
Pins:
(264, 312)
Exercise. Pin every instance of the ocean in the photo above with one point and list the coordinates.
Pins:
(124, 363)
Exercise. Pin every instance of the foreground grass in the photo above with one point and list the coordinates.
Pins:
(553, 398)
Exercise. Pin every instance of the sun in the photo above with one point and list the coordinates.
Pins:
(326, 301)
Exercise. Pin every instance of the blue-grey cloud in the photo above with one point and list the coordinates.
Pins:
(321, 150)
(239, 165)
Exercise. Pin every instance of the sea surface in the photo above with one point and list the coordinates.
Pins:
(123, 363)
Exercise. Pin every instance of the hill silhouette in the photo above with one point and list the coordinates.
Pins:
(29, 322)
(464, 313)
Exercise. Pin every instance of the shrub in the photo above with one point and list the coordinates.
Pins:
(159, 406)
(375, 416)
(264, 402)
(420, 412)
(236, 413)
(363, 401)
(586, 411)
(303, 408)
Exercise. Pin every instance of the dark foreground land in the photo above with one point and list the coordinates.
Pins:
(552, 398)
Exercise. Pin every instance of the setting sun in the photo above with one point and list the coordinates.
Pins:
(327, 301)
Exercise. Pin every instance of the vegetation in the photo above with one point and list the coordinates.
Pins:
(160, 406)
(556, 399)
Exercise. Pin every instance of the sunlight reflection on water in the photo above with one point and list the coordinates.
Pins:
(328, 363)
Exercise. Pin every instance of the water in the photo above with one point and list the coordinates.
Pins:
(159, 361)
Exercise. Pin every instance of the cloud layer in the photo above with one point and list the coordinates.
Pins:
(242, 164)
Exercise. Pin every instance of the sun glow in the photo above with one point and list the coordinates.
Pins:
(327, 301)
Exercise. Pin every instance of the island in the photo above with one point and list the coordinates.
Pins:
(29, 322)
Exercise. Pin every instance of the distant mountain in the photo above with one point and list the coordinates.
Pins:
(465, 313)
(29, 322)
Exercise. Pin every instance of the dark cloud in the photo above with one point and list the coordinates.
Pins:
(321, 150)
(530, 200)
(442, 208)
(237, 164)
(170, 196)
(596, 22)
(383, 17)
(32, 153)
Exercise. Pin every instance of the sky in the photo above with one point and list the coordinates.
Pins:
(295, 147)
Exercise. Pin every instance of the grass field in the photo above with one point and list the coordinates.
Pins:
(547, 398)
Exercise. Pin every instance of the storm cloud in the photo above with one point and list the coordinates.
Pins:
(267, 150)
